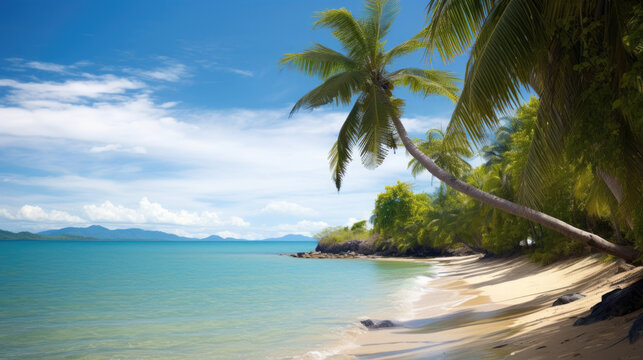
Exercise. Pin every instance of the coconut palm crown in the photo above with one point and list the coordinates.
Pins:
(361, 73)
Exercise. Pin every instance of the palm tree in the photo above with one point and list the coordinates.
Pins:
(582, 58)
(374, 121)
(494, 152)
(449, 159)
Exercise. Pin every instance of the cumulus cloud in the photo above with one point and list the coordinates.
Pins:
(303, 227)
(36, 213)
(237, 160)
(41, 94)
(44, 66)
(289, 208)
(151, 212)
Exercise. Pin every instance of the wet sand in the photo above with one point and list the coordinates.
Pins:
(497, 309)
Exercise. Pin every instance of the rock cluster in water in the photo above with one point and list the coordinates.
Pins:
(323, 255)
(370, 324)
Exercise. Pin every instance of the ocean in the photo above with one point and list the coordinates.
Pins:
(191, 300)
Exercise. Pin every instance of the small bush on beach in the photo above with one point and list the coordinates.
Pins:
(340, 234)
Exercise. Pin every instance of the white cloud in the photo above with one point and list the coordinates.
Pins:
(109, 212)
(150, 212)
(55, 94)
(422, 124)
(172, 73)
(235, 160)
(36, 213)
(118, 147)
(44, 66)
(289, 208)
(304, 227)
(241, 72)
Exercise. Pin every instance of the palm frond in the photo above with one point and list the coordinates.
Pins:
(448, 159)
(346, 29)
(377, 130)
(339, 88)
(380, 15)
(427, 82)
(494, 81)
(319, 61)
(340, 154)
(415, 43)
(453, 25)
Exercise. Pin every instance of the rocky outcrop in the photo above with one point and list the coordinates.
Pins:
(371, 325)
(566, 299)
(363, 247)
(615, 303)
(386, 248)
(323, 255)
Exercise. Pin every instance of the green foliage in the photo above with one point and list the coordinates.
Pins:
(409, 221)
(398, 215)
(340, 234)
(359, 226)
(584, 60)
(451, 159)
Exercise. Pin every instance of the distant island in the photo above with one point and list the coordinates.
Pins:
(97, 232)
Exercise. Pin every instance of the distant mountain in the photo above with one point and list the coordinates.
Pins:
(24, 235)
(102, 233)
(291, 237)
(97, 232)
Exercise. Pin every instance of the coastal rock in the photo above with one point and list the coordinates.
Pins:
(370, 324)
(566, 299)
(615, 303)
(636, 329)
(321, 255)
(356, 246)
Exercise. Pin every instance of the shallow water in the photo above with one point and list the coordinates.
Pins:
(200, 300)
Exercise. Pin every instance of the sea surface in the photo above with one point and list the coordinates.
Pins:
(190, 300)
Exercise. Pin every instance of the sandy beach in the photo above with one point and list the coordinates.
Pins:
(502, 308)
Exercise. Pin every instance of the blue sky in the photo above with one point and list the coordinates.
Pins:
(173, 116)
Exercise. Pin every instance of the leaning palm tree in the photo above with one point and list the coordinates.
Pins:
(374, 121)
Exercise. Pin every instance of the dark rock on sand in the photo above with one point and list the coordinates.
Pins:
(636, 329)
(370, 324)
(566, 299)
(615, 303)
(606, 295)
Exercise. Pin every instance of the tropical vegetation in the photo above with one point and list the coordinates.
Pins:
(413, 223)
(514, 44)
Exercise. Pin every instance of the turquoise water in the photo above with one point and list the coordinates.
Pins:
(187, 300)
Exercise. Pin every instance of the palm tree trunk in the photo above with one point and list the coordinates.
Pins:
(538, 217)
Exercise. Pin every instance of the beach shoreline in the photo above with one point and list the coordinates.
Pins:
(502, 308)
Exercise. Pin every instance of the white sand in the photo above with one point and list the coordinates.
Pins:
(495, 309)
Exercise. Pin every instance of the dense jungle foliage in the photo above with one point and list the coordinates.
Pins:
(408, 221)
